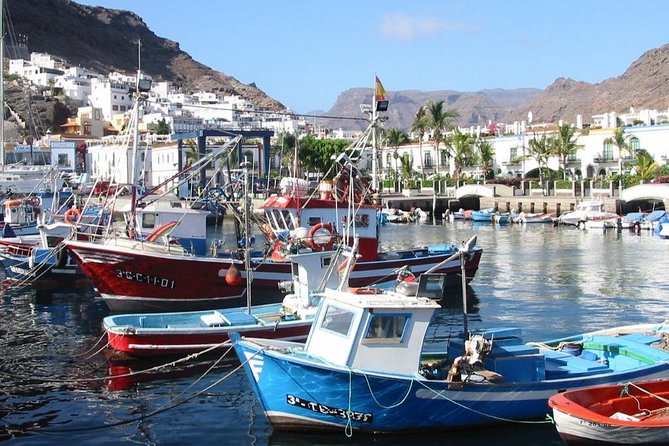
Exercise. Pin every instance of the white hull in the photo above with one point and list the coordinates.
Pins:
(576, 429)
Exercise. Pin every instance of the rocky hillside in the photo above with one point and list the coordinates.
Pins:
(644, 85)
(105, 40)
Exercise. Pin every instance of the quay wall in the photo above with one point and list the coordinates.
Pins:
(439, 204)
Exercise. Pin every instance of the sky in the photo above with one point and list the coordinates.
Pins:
(305, 53)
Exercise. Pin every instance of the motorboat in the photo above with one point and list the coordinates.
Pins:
(586, 210)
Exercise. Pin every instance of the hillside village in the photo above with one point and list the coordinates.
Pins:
(106, 102)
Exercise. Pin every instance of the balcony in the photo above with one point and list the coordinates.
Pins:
(604, 159)
(511, 163)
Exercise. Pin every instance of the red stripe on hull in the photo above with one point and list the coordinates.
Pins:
(163, 344)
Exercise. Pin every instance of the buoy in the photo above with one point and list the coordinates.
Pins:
(233, 276)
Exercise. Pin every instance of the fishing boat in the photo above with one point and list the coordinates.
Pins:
(160, 334)
(627, 413)
(342, 378)
(141, 276)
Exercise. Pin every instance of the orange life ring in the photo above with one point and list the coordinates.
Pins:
(321, 246)
(72, 216)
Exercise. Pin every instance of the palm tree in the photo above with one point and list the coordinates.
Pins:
(621, 141)
(564, 146)
(646, 167)
(407, 172)
(395, 138)
(460, 147)
(486, 156)
(541, 151)
(421, 124)
(440, 121)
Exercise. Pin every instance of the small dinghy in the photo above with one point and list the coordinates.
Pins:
(630, 413)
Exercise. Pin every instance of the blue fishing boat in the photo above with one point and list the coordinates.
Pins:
(364, 366)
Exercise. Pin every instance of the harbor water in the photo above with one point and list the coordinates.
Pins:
(55, 385)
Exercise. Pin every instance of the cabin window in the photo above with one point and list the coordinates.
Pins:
(325, 262)
(385, 328)
(337, 320)
(313, 221)
(148, 220)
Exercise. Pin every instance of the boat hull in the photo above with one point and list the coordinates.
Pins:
(131, 280)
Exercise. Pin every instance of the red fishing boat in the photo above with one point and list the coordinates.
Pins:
(136, 276)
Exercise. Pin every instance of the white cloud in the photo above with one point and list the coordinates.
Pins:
(404, 27)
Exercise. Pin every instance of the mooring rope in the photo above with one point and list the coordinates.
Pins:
(125, 375)
(174, 404)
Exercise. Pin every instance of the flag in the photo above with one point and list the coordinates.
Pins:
(380, 92)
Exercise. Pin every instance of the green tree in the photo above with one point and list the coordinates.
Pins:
(621, 141)
(394, 138)
(564, 145)
(316, 155)
(420, 125)
(440, 121)
(407, 172)
(163, 128)
(646, 167)
(461, 149)
(486, 156)
(541, 151)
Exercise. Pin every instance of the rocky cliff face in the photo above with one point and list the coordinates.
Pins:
(105, 40)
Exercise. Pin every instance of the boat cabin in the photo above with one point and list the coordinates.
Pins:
(363, 331)
(317, 221)
(171, 218)
(311, 272)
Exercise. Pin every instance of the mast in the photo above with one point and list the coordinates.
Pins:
(2, 84)
(247, 235)
(134, 120)
(375, 178)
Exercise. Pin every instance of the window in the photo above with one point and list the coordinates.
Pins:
(444, 157)
(427, 161)
(148, 220)
(607, 151)
(337, 320)
(384, 328)
(513, 155)
(635, 146)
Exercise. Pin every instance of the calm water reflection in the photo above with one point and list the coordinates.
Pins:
(550, 281)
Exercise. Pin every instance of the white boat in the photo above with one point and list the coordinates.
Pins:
(533, 217)
(586, 210)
